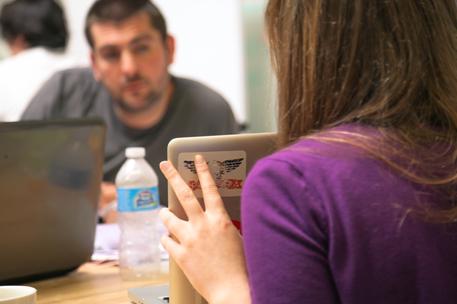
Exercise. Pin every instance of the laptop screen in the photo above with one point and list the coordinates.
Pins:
(50, 174)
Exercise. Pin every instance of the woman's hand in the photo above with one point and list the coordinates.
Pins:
(207, 247)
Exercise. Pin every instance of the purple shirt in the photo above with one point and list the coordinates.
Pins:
(322, 223)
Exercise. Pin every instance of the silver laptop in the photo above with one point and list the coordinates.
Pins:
(50, 174)
(230, 157)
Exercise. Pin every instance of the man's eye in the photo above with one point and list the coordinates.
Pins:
(141, 49)
(110, 56)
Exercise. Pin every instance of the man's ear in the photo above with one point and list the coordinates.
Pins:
(170, 45)
(93, 63)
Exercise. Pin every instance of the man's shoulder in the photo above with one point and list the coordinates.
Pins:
(189, 83)
(196, 90)
(194, 99)
(75, 75)
(74, 83)
(70, 92)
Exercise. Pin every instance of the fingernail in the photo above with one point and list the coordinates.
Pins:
(198, 159)
(164, 164)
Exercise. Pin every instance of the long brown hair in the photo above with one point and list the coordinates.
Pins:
(388, 64)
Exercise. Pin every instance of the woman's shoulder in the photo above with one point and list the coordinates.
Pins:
(330, 148)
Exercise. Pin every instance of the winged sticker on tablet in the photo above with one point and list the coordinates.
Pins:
(227, 167)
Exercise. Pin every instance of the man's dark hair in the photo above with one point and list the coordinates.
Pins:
(39, 22)
(119, 10)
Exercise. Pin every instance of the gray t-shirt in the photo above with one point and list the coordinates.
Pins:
(195, 110)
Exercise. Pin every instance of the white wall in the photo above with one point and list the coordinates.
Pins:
(209, 43)
(76, 13)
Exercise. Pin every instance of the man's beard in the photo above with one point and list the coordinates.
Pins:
(150, 101)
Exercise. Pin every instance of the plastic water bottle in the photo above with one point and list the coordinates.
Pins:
(138, 205)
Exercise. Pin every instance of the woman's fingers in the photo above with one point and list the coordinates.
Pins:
(184, 194)
(211, 196)
(174, 225)
(172, 247)
(190, 204)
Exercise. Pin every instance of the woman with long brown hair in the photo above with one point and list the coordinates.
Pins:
(359, 205)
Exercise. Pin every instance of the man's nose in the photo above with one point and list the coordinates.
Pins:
(128, 64)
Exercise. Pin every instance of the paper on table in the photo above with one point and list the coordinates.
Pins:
(106, 247)
(106, 242)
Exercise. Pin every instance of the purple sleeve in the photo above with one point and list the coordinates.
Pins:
(285, 237)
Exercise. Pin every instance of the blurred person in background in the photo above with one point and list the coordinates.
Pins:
(130, 87)
(35, 32)
(360, 204)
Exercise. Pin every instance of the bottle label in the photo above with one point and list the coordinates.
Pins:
(137, 199)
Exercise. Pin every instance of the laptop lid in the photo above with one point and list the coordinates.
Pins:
(230, 157)
(50, 174)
